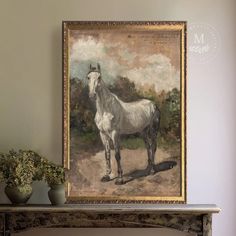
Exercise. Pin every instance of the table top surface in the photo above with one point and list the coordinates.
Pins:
(115, 208)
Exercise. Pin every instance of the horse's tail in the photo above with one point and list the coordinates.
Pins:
(156, 121)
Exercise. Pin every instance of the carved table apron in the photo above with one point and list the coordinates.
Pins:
(183, 217)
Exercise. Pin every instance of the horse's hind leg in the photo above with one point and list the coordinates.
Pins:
(153, 152)
(150, 139)
(151, 149)
(116, 142)
(106, 143)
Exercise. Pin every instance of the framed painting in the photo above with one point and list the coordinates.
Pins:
(124, 111)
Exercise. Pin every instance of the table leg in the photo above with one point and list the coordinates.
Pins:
(4, 231)
(207, 225)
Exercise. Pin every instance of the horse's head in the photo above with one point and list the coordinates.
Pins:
(94, 80)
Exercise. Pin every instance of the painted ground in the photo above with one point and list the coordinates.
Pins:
(88, 167)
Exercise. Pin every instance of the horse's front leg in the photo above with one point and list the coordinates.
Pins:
(106, 143)
(116, 142)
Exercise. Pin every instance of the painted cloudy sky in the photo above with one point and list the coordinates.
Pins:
(147, 58)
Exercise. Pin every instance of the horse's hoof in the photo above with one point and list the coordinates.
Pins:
(119, 181)
(105, 178)
(152, 172)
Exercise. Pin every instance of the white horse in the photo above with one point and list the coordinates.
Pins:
(115, 117)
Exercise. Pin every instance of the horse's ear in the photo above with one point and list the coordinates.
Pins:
(99, 68)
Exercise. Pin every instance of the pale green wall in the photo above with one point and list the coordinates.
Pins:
(31, 84)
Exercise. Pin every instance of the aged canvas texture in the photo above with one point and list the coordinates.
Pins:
(141, 68)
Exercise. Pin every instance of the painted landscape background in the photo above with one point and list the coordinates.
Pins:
(125, 80)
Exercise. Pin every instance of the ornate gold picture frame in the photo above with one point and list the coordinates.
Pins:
(124, 111)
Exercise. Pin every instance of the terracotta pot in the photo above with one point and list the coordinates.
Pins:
(17, 196)
(56, 194)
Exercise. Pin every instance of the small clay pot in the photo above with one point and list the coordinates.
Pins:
(56, 194)
(18, 197)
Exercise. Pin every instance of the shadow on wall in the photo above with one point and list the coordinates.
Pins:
(105, 232)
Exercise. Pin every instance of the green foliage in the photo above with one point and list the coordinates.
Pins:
(125, 89)
(82, 110)
(170, 116)
(89, 137)
(54, 174)
(39, 163)
(17, 169)
(1, 177)
(25, 189)
(2, 164)
(132, 143)
(20, 169)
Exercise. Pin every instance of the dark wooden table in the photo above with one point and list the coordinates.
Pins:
(187, 217)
